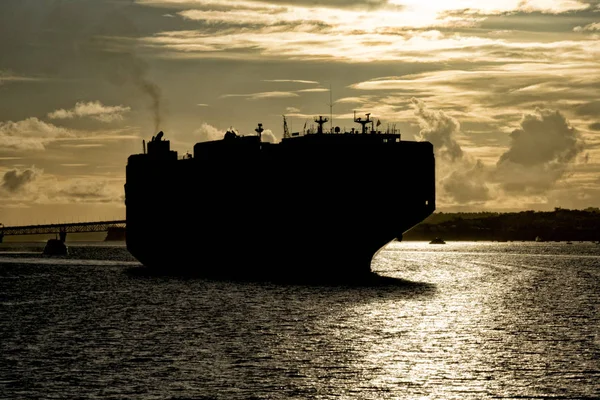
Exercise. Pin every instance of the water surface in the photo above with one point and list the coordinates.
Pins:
(460, 321)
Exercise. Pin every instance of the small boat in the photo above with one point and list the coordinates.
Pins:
(55, 247)
(437, 240)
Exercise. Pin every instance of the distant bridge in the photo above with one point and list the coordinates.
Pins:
(60, 229)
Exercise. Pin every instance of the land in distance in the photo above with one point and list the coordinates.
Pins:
(558, 225)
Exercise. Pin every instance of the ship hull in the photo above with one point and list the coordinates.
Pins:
(276, 211)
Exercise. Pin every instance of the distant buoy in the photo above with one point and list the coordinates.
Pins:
(437, 240)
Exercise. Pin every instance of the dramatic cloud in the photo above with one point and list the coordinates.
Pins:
(30, 134)
(483, 63)
(33, 134)
(439, 129)
(460, 179)
(14, 180)
(491, 7)
(493, 97)
(544, 137)
(359, 14)
(540, 152)
(95, 110)
(34, 186)
(466, 184)
(403, 30)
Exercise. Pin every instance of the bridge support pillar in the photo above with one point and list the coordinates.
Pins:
(62, 236)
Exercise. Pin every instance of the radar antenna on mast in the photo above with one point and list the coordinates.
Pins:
(364, 122)
(259, 130)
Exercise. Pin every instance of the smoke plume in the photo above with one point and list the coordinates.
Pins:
(130, 69)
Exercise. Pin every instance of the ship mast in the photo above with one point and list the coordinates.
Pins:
(330, 109)
(363, 122)
(321, 120)
(259, 130)
(286, 132)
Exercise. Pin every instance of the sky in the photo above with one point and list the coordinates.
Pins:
(506, 90)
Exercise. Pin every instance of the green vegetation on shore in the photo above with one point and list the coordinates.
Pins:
(558, 225)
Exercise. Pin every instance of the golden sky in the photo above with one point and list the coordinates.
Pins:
(506, 90)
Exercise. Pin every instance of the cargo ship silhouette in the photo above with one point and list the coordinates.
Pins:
(318, 204)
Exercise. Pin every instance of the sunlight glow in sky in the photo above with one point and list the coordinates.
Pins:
(505, 89)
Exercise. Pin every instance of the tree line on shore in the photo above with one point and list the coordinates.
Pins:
(558, 225)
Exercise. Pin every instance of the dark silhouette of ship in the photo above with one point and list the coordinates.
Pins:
(317, 205)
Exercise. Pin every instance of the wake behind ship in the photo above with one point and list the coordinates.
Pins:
(315, 205)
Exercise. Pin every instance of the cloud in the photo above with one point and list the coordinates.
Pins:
(263, 95)
(14, 180)
(85, 190)
(30, 134)
(402, 30)
(93, 109)
(84, 145)
(208, 132)
(460, 178)
(243, 4)
(438, 128)
(492, 96)
(268, 136)
(291, 81)
(591, 108)
(543, 137)
(33, 186)
(540, 152)
(7, 76)
(311, 90)
(350, 100)
(466, 184)
(552, 7)
(492, 7)
(591, 27)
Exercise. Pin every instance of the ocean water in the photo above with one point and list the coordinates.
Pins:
(459, 321)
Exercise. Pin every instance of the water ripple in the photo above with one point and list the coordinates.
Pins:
(466, 321)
